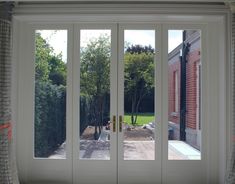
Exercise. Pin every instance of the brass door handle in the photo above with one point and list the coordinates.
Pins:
(120, 123)
(114, 123)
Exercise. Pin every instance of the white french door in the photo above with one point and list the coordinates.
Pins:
(139, 158)
(95, 161)
(114, 157)
(115, 73)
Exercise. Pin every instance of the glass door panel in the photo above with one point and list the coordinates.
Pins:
(139, 118)
(184, 104)
(50, 94)
(95, 56)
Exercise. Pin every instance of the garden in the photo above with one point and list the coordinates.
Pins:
(50, 92)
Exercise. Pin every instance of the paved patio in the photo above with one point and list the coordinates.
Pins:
(133, 150)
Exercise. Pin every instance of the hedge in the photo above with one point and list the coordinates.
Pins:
(50, 118)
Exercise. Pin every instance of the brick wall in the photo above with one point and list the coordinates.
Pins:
(191, 89)
(173, 67)
(191, 82)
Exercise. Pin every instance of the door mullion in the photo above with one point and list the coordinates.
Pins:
(158, 97)
(76, 96)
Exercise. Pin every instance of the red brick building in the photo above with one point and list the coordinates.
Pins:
(192, 89)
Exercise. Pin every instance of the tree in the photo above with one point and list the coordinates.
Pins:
(57, 73)
(138, 49)
(49, 66)
(42, 55)
(139, 76)
(95, 80)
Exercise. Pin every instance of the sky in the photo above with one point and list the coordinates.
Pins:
(87, 35)
(174, 39)
(140, 37)
(58, 38)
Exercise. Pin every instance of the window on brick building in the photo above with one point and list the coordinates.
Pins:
(176, 91)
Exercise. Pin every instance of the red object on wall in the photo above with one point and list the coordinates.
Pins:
(7, 126)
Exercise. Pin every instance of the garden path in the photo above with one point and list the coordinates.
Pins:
(91, 149)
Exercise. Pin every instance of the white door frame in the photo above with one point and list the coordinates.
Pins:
(35, 169)
(133, 171)
(23, 100)
(180, 171)
(105, 170)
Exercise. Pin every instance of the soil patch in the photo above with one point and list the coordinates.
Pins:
(132, 134)
(138, 134)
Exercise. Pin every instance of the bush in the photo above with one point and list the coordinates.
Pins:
(50, 118)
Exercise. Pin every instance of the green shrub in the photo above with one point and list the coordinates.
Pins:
(50, 118)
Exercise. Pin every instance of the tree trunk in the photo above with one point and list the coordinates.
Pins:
(138, 104)
(96, 119)
(96, 135)
(133, 119)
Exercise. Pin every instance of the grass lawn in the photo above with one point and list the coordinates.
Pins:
(142, 118)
